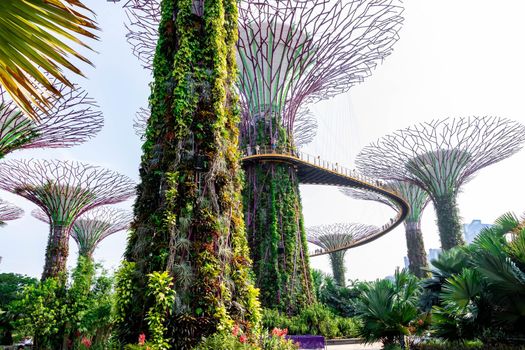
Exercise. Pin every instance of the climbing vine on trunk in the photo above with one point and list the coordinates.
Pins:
(188, 213)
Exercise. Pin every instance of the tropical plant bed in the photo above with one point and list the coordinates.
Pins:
(467, 346)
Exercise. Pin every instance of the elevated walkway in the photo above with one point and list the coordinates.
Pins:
(315, 171)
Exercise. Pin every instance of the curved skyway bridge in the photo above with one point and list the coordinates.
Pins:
(312, 170)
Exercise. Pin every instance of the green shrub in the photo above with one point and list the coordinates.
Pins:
(438, 344)
(388, 309)
(348, 327)
(317, 319)
(225, 341)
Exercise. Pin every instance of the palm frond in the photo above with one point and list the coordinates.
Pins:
(32, 34)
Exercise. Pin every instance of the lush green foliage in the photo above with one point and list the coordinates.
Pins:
(188, 212)
(236, 340)
(436, 344)
(56, 314)
(11, 288)
(316, 319)
(160, 289)
(482, 295)
(388, 309)
(277, 236)
(338, 299)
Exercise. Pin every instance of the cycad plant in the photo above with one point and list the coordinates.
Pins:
(487, 297)
(388, 309)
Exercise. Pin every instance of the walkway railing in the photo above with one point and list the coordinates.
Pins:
(355, 179)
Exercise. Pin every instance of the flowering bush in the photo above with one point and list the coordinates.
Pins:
(238, 340)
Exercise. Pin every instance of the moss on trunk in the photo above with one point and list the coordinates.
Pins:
(277, 237)
(417, 256)
(56, 252)
(337, 260)
(188, 212)
(449, 222)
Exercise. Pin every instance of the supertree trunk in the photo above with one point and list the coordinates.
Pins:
(417, 256)
(277, 237)
(337, 260)
(57, 252)
(449, 222)
(188, 213)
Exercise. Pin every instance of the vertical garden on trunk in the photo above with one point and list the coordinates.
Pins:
(188, 213)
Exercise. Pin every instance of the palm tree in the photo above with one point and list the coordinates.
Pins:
(32, 34)
(387, 309)
(487, 296)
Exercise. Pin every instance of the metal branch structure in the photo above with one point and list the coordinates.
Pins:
(9, 212)
(439, 157)
(417, 200)
(143, 23)
(292, 53)
(71, 119)
(305, 127)
(94, 226)
(64, 190)
(335, 236)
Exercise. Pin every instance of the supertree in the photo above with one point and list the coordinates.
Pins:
(71, 119)
(92, 227)
(293, 53)
(290, 54)
(417, 200)
(9, 212)
(64, 190)
(188, 212)
(333, 238)
(439, 157)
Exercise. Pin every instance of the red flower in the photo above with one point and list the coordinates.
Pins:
(279, 332)
(243, 338)
(235, 330)
(86, 342)
(142, 338)
(420, 322)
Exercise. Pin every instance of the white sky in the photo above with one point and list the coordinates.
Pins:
(454, 58)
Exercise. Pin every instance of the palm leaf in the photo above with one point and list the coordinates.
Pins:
(462, 289)
(31, 42)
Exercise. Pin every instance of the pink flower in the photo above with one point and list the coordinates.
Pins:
(243, 338)
(142, 338)
(86, 342)
(235, 330)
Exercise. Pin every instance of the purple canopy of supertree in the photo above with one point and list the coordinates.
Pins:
(94, 226)
(336, 239)
(9, 211)
(440, 156)
(71, 119)
(64, 190)
(339, 236)
(291, 52)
